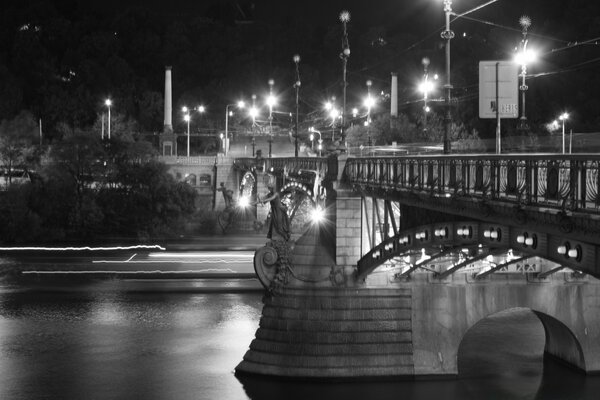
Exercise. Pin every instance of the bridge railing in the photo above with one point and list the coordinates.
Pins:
(545, 180)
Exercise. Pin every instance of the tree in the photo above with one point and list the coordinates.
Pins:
(17, 137)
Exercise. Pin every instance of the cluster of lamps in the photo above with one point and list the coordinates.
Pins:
(566, 250)
(421, 235)
(465, 231)
(404, 240)
(527, 240)
(441, 233)
(493, 233)
(298, 185)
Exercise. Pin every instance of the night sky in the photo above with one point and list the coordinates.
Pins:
(410, 29)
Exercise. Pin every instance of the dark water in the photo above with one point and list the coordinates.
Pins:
(118, 345)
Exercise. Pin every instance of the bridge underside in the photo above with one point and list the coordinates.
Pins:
(399, 235)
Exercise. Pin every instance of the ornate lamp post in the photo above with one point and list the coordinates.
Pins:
(523, 58)
(297, 87)
(448, 35)
(344, 55)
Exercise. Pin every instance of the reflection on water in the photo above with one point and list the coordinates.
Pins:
(117, 345)
(127, 346)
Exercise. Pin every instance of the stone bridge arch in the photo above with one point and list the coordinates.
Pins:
(443, 313)
(559, 340)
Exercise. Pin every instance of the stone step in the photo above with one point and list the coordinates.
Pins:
(332, 337)
(335, 302)
(319, 373)
(337, 314)
(345, 292)
(319, 349)
(333, 361)
(335, 326)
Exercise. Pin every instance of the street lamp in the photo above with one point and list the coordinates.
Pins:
(334, 113)
(369, 102)
(522, 58)
(425, 87)
(240, 104)
(187, 118)
(563, 117)
(108, 103)
(312, 129)
(344, 55)
(297, 87)
(271, 103)
(448, 35)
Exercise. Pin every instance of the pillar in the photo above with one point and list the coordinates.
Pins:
(394, 96)
(168, 125)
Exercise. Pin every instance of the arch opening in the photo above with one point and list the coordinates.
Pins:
(517, 342)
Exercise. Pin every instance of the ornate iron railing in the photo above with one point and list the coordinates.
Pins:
(545, 180)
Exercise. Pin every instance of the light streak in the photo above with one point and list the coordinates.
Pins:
(129, 261)
(228, 270)
(203, 255)
(87, 248)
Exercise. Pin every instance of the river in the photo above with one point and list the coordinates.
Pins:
(116, 344)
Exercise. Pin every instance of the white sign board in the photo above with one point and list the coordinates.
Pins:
(498, 87)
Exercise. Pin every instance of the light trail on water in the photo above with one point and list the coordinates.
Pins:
(86, 248)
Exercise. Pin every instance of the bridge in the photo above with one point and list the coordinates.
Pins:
(414, 251)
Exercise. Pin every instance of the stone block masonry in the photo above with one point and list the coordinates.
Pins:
(333, 333)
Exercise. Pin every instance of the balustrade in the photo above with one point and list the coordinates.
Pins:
(553, 181)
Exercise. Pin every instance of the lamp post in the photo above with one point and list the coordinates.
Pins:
(239, 104)
(297, 87)
(320, 146)
(563, 117)
(253, 145)
(334, 114)
(523, 58)
(369, 102)
(108, 103)
(271, 103)
(344, 55)
(425, 87)
(187, 118)
(270, 140)
(312, 144)
(447, 35)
